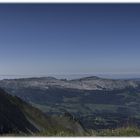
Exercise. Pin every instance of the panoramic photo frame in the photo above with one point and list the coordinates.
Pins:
(69, 69)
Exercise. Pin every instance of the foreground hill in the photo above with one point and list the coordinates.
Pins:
(12, 119)
(18, 117)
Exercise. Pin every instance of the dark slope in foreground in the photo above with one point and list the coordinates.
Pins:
(16, 117)
(12, 118)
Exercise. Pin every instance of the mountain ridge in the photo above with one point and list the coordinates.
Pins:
(85, 83)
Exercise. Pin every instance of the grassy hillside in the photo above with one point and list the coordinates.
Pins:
(12, 119)
(119, 132)
(130, 131)
(19, 118)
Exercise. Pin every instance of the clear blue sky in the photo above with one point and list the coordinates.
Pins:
(69, 39)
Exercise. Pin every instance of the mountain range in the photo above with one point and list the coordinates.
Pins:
(86, 83)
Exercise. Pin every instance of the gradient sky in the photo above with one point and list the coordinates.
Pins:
(69, 39)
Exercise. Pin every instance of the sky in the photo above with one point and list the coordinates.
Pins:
(42, 39)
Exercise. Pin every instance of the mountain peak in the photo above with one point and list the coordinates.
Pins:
(90, 78)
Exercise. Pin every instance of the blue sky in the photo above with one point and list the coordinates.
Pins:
(69, 39)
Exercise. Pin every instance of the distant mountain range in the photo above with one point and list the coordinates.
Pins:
(86, 83)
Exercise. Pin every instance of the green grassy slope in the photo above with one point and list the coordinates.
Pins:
(18, 117)
(129, 131)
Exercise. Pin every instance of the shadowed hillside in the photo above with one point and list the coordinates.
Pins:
(18, 117)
